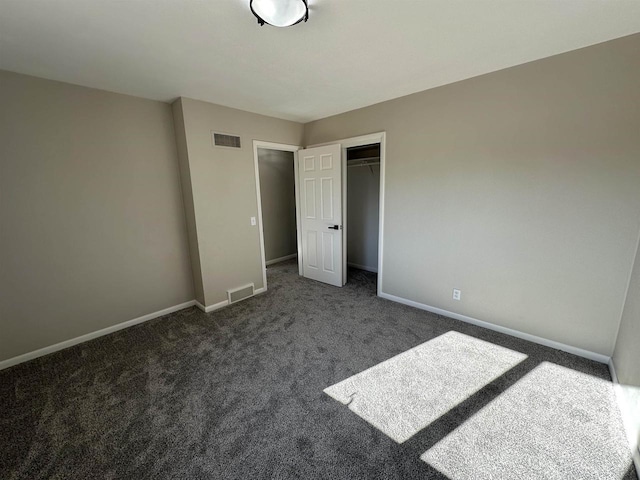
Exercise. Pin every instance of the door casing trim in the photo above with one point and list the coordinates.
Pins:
(286, 148)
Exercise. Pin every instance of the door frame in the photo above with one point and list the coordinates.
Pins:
(345, 143)
(285, 148)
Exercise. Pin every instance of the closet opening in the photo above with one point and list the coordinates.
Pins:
(362, 206)
(276, 189)
(278, 199)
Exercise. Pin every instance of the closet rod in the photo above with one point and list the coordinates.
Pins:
(363, 164)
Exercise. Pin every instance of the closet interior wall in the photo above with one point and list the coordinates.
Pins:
(363, 199)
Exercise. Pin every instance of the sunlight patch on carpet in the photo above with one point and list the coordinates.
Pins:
(554, 423)
(406, 393)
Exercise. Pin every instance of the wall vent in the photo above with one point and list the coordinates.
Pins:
(226, 140)
(240, 293)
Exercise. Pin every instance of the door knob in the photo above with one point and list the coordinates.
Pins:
(335, 227)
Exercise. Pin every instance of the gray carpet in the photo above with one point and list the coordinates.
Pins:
(239, 393)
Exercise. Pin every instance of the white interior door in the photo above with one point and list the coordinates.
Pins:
(320, 171)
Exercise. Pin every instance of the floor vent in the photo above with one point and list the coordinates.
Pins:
(225, 140)
(240, 293)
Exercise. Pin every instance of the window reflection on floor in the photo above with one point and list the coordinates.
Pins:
(554, 423)
(406, 393)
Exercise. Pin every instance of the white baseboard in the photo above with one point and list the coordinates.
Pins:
(90, 336)
(627, 416)
(490, 326)
(363, 267)
(114, 328)
(281, 259)
(612, 371)
(224, 303)
(211, 308)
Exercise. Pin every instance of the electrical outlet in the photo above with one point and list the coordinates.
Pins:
(456, 294)
(253, 221)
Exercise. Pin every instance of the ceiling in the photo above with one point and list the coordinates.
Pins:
(350, 54)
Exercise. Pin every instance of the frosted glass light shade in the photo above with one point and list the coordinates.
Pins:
(280, 13)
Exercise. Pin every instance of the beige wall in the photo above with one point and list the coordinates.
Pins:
(277, 192)
(626, 357)
(187, 192)
(224, 192)
(92, 228)
(520, 187)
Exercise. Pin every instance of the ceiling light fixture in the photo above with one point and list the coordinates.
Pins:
(280, 13)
